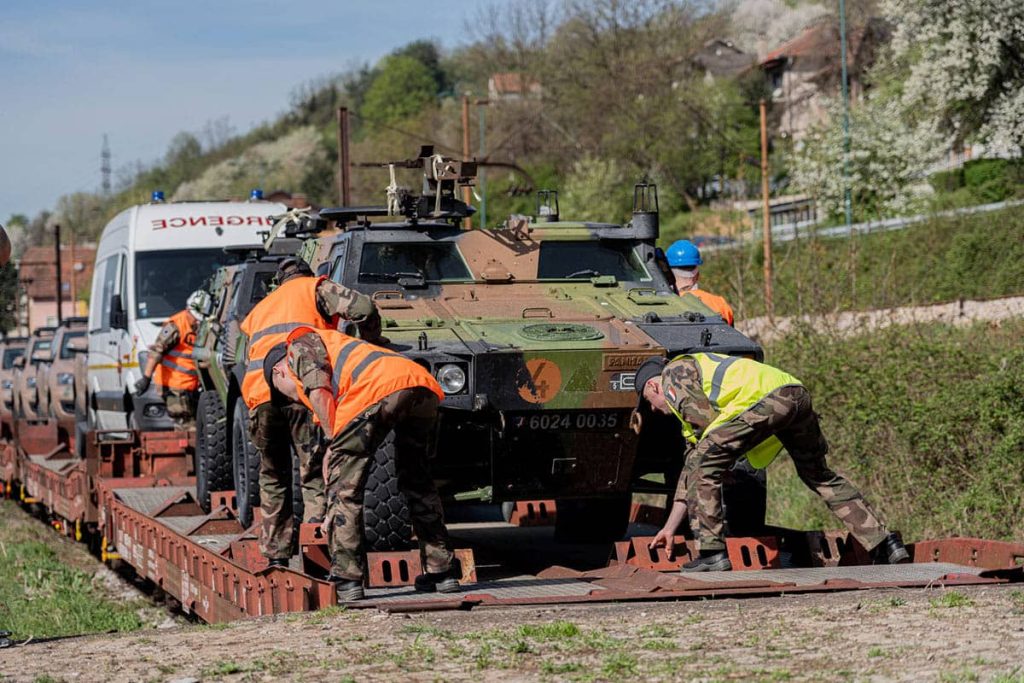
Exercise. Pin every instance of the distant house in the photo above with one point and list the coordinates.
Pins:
(37, 277)
(720, 58)
(512, 85)
(806, 70)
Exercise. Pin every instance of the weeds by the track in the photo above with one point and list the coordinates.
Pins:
(41, 595)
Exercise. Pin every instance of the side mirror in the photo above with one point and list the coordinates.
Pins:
(118, 317)
(78, 345)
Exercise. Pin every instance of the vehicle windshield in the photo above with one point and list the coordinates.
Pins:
(584, 260)
(261, 285)
(164, 279)
(65, 345)
(10, 355)
(41, 345)
(431, 262)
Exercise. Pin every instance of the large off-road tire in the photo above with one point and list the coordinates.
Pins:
(213, 452)
(245, 465)
(387, 523)
(598, 520)
(298, 505)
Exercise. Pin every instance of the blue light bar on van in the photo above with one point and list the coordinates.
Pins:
(157, 196)
(256, 194)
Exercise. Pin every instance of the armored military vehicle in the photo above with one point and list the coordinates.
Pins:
(534, 330)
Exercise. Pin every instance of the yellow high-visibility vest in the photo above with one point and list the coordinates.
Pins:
(732, 385)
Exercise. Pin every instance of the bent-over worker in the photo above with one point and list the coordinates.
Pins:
(684, 259)
(170, 363)
(300, 300)
(733, 407)
(359, 393)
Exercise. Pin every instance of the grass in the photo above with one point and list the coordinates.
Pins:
(41, 595)
(942, 259)
(924, 419)
(951, 600)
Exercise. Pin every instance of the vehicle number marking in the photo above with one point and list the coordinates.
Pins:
(566, 421)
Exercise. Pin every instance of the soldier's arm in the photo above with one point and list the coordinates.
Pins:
(683, 388)
(307, 358)
(166, 339)
(334, 300)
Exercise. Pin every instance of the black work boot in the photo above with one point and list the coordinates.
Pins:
(442, 582)
(348, 590)
(890, 551)
(712, 561)
(281, 562)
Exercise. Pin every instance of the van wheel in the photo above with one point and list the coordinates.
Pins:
(387, 523)
(598, 520)
(245, 465)
(213, 455)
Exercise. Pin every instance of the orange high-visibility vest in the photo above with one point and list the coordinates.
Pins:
(288, 307)
(363, 374)
(177, 368)
(716, 303)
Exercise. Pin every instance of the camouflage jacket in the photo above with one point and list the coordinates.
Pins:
(307, 358)
(166, 339)
(682, 385)
(333, 300)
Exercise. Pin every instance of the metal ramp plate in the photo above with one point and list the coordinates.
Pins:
(148, 500)
(513, 588)
(867, 574)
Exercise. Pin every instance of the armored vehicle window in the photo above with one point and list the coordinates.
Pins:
(65, 345)
(10, 355)
(164, 279)
(388, 262)
(565, 260)
(40, 345)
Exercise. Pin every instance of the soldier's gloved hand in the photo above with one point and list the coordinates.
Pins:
(142, 385)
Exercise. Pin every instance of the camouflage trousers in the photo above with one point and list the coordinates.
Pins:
(275, 431)
(787, 414)
(412, 414)
(181, 407)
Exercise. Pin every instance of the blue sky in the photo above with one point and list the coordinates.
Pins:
(143, 71)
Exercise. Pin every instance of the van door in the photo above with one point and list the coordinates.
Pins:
(106, 329)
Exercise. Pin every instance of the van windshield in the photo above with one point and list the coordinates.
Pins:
(164, 279)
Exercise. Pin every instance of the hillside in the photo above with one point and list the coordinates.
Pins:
(972, 257)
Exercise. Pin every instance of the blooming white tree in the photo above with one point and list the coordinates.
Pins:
(888, 160)
(966, 65)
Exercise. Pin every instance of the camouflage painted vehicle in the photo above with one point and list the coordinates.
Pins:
(534, 330)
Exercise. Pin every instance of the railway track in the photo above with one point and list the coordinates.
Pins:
(132, 499)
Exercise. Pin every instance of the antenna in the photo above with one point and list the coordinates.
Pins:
(105, 166)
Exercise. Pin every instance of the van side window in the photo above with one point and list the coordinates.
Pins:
(105, 284)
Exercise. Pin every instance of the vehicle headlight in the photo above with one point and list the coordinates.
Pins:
(31, 381)
(7, 384)
(452, 378)
(65, 378)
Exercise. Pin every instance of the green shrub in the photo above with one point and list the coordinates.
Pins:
(925, 419)
(947, 181)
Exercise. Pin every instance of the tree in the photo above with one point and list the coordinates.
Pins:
(596, 190)
(888, 158)
(403, 87)
(966, 65)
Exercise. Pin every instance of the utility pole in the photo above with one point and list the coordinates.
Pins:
(766, 222)
(466, 192)
(847, 201)
(481, 172)
(60, 283)
(74, 279)
(105, 166)
(344, 163)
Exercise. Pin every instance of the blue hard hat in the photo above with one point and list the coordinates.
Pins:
(683, 254)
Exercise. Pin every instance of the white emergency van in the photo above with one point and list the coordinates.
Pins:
(149, 259)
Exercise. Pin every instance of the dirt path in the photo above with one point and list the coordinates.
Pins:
(851, 323)
(968, 634)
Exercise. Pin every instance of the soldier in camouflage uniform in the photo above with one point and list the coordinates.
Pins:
(733, 407)
(360, 393)
(276, 427)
